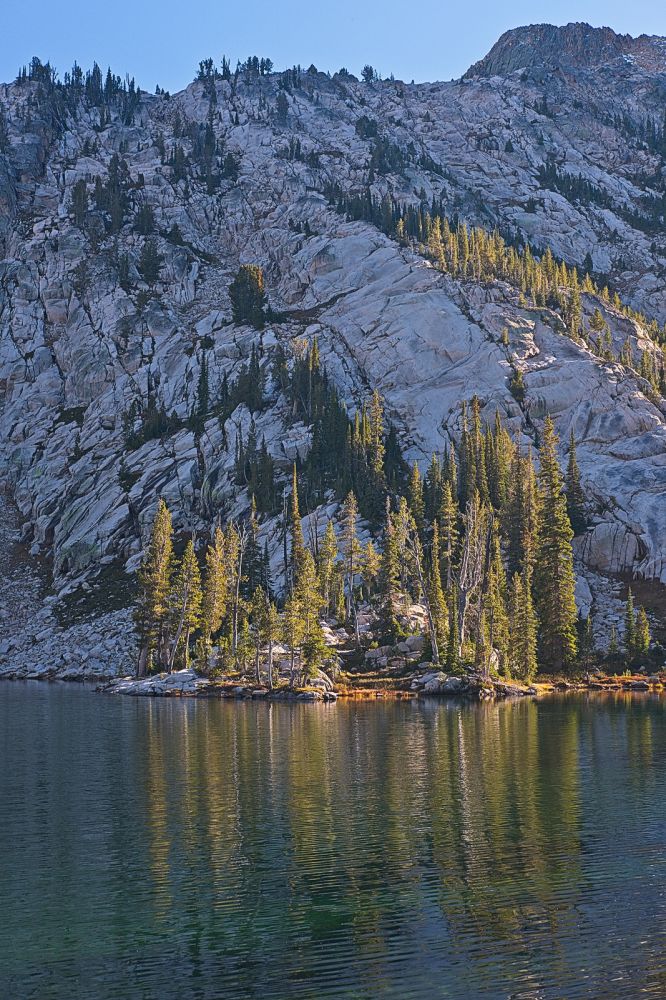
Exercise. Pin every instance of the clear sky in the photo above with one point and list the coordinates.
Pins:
(162, 42)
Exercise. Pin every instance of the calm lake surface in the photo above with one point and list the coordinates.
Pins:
(163, 848)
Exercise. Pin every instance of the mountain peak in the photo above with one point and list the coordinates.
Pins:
(577, 45)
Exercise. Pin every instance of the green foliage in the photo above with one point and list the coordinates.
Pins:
(248, 299)
(80, 202)
(150, 262)
(574, 490)
(154, 422)
(554, 578)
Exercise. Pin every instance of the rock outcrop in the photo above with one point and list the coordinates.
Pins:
(540, 48)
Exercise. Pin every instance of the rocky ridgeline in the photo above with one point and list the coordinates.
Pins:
(85, 338)
(538, 49)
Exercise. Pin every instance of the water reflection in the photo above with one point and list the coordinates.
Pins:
(210, 849)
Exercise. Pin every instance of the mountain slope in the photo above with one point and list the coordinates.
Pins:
(232, 170)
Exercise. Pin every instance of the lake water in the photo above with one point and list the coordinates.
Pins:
(194, 849)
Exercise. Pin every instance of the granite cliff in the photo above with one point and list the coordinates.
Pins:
(240, 170)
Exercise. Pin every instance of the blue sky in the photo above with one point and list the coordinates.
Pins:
(162, 43)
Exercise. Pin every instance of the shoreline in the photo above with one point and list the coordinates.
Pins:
(472, 688)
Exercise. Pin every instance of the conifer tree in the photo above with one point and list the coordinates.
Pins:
(79, 200)
(389, 576)
(350, 553)
(448, 517)
(370, 567)
(215, 589)
(235, 546)
(438, 606)
(258, 612)
(186, 603)
(292, 632)
(453, 646)
(247, 295)
(497, 620)
(555, 580)
(297, 542)
(154, 587)
(642, 641)
(416, 504)
(376, 442)
(328, 554)
(630, 626)
(523, 628)
(244, 645)
(574, 490)
(150, 262)
(270, 634)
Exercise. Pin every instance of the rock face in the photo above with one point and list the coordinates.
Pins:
(544, 47)
(226, 172)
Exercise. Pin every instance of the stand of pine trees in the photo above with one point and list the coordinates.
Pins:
(479, 255)
(482, 542)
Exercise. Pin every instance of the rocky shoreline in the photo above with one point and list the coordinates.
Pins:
(187, 683)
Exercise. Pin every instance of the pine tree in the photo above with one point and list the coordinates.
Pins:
(370, 568)
(350, 553)
(235, 546)
(522, 515)
(4, 131)
(79, 202)
(328, 554)
(270, 634)
(523, 628)
(389, 576)
(296, 528)
(416, 504)
(642, 633)
(453, 646)
(630, 626)
(258, 612)
(186, 603)
(376, 442)
(574, 491)
(438, 606)
(497, 619)
(216, 585)
(555, 580)
(202, 403)
(154, 588)
(150, 262)
(247, 296)
(292, 632)
(448, 518)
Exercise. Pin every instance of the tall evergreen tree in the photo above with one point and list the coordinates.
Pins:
(523, 628)
(642, 641)
(185, 604)
(328, 554)
(247, 295)
(438, 606)
(416, 503)
(555, 580)
(630, 626)
(448, 518)
(574, 490)
(389, 577)
(350, 552)
(215, 591)
(296, 528)
(155, 577)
